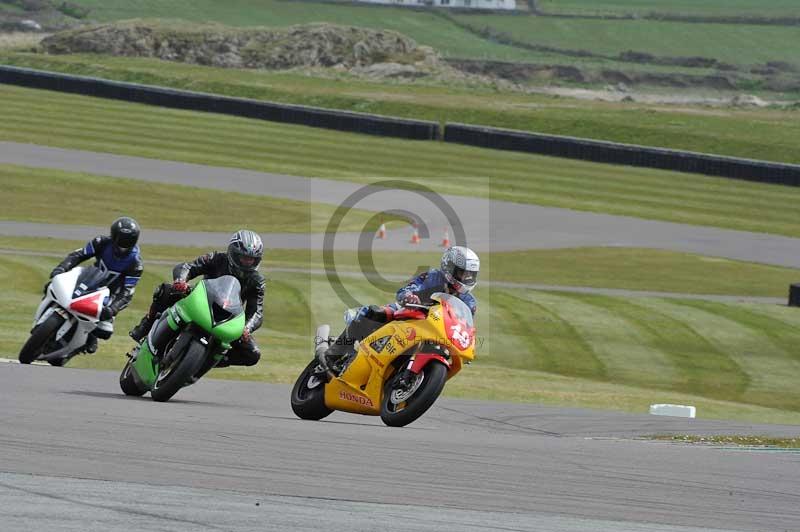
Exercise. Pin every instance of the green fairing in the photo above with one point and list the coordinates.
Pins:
(146, 368)
(194, 308)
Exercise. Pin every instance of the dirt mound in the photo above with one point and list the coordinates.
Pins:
(311, 45)
(529, 73)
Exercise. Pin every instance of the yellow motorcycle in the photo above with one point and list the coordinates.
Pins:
(398, 371)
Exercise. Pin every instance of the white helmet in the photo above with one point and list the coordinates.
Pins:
(460, 266)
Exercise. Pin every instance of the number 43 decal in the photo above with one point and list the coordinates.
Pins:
(460, 336)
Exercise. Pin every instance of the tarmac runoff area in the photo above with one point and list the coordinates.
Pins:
(76, 454)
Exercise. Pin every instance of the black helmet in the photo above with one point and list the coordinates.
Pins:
(245, 251)
(124, 235)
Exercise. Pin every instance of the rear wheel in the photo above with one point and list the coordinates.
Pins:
(179, 372)
(308, 395)
(128, 381)
(404, 402)
(41, 336)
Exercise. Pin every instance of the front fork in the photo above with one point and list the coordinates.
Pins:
(428, 352)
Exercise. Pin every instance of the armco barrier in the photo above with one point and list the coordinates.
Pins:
(794, 295)
(196, 101)
(626, 154)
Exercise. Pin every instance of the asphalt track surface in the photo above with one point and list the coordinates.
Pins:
(76, 454)
(487, 225)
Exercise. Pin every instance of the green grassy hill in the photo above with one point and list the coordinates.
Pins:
(727, 8)
(425, 27)
(736, 44)
(747, 44)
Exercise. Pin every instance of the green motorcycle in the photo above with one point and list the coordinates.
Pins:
(186, 340)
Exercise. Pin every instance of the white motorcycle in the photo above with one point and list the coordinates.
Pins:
(69, 311)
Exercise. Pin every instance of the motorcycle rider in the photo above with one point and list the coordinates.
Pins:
(457, 275)
(118, 255)
(241, 260)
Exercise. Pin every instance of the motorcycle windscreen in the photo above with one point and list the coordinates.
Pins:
(224, 299)
(458, 321)
(90, 280)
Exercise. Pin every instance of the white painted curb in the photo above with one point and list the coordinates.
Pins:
(15, 361)
(673, 410)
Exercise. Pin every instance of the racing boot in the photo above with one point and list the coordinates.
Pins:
(337, 351)
(140, 331)
(91, 344)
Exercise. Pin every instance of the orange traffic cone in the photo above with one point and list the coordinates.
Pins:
(446, 239)
(381, 232)
(415, 237)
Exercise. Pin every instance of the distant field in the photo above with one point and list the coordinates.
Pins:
(10, 8)
(425, 28)
(731, 360)
(752, 8)
(72, 121)
(749, 44)
(737, 44)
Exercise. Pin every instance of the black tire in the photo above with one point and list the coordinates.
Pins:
(172, 379)
(309, 403)
(434, 376)
(41, 335)
(129, 383)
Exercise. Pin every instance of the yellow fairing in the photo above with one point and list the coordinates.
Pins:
(359, 389)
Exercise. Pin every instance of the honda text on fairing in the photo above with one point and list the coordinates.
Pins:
(70, 311)
(186, 340)
(398, 371)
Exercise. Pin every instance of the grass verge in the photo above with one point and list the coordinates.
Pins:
(38, 195)
(730, 360)
(619, 268)
(71, 121)
(748, 441)
(754, 133)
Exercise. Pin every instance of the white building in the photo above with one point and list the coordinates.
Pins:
(461, 4)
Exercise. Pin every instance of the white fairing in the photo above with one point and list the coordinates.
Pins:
(58, 299)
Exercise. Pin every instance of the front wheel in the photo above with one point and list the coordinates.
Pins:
(404, 403)
(180, 372)
(128, 382)
(308, 395)
(41, 336)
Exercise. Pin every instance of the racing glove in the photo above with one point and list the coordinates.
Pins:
(410, 299)
(106, 314)
(180, 285)
(58, 270)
